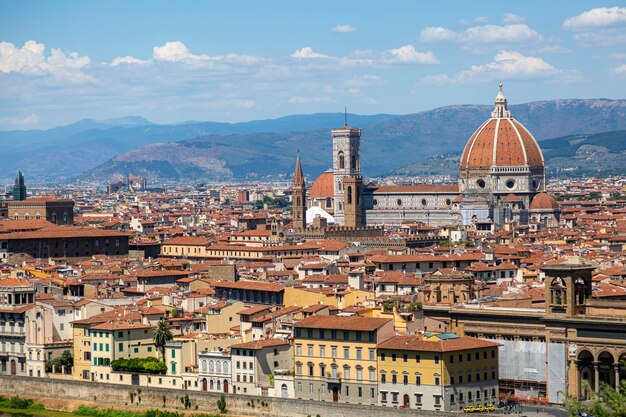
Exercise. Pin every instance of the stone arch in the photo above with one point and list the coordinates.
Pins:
(586, 372)
(605, 361)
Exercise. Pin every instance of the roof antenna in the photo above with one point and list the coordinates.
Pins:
(345, 115)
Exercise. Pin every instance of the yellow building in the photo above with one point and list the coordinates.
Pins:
(304, 297)
(118, 340)
(335, 357)
(441, 372)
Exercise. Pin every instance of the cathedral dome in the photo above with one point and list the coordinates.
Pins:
(543, 201)
(323, 187)
(501, 142)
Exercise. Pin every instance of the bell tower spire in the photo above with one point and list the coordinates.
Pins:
(298, 192)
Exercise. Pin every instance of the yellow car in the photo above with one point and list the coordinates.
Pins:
(481, 408)
(469, 409)
(491, 407)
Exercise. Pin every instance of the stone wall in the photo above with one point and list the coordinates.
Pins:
(110, 394)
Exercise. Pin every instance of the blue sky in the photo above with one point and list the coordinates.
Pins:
(173, 61)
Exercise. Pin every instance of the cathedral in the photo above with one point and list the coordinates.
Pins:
(501, 180)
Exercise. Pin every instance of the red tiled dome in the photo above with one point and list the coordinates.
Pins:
(543, 201)
(501, 142)
(323, 187)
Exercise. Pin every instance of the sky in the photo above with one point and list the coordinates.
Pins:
(173, 61)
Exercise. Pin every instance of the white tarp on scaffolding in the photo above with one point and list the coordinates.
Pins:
(526, 361)
(522, 361)
(557, 369)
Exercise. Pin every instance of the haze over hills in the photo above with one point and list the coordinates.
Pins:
(601, 154)
(208, 151)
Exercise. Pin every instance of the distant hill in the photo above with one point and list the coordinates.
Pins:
(386, 145)
(68, 151)
(207, 151)
(601, 155)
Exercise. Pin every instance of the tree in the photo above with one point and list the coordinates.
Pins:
(221, 404)
(608, 402)
(161, 335)
(63, 363)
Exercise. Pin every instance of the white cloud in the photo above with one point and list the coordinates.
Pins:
(620, 70)
(595, 18)
(480, 19)
(128, 60)
(437, 34)
(618, 56)
(308, 53)
(512, 18)
(30, 120)
(173, 51)
(31, 60)
(408, 54)
(343, 29)
(505, 65)
(308, 100)
(602, 37)
(518, 32)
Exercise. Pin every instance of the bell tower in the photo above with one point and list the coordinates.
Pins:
(567, 287)
(298, 192)
(347, 166)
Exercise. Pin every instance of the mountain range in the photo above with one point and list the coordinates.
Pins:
(265, 149)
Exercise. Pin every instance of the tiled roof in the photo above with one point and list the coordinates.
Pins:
(342, 323)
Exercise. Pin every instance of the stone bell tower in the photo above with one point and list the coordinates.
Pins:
(567, 287)
(298, 203)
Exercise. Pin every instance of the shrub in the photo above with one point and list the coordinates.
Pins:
(221, 404)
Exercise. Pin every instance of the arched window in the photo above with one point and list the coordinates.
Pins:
(342, 162)
(204, 366)
(353, 162)
(16, 216)
(218, 367)
(38, 215)
(211, 367)
(27, 216)
(349, 195)
(225, 368)
(298, 200)
(328, 202)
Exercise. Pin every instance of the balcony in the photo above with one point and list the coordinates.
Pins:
(11, 333)
(336, 379)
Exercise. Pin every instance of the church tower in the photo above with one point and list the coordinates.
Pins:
(298, 202)
(347, 167)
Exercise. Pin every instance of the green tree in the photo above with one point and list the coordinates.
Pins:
(161, 335)
(608, 402)
(221, 404)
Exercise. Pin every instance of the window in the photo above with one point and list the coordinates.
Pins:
(477, 356)
(452, 398)
(347, 391)
(372, 393)
(136, 350)
(437, 379)
(382, 357)
(383, 378)
(310, 369)
(120, 347)
(372, 374)
(359, 373)
(460, 378)
(451, 379)
(437, 400)
(418, 399)
(405, 378)
(394, 378)
(346, 372)
(173, 353)
(493, 354)
(469, 377)
(360, 392)
(298, 352)
(393, 357)
(451, 358)
(372, 354)
(460, 358)
(405, 358)
(322, 351)
(394, 397)
(358, 353)
(469, 356)
(418, 379)
(346, 335)
(310, 350)
(173, 367)
(333, 351)
(460, 397)
(417, 359)
(346, 353)
(436, 359)
(358, 336)
(383, 397)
